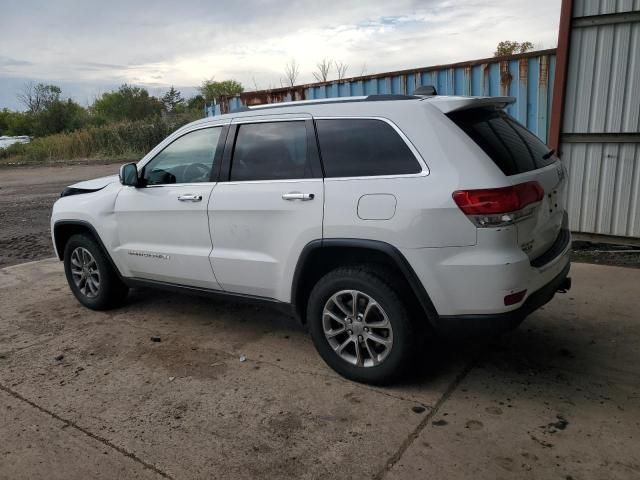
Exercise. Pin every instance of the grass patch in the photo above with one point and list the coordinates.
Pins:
(125, 140)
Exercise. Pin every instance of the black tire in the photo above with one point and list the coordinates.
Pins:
(364, 280)
(111, 292)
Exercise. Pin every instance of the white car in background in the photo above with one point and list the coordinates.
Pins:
(377, 219)
(8, 141)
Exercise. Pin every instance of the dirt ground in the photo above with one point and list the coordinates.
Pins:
(238, 391)
(26, 197)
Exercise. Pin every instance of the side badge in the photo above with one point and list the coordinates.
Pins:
(159, 256)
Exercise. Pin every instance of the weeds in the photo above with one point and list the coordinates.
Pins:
(125, 139)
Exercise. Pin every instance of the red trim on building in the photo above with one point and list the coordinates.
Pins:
(560, 81)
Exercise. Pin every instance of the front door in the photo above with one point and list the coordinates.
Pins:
(268, 208)
(163, 227)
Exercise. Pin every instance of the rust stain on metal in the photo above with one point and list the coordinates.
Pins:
(486, 81)
(505, 77)
(262, 97)
(467, 79)
(523, 69)
(543, 80)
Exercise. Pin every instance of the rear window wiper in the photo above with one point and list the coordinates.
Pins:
(548, 155)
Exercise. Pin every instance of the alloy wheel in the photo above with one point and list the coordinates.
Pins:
(85, 272)
(357, 328)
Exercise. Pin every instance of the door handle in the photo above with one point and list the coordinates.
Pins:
(190, 197)
(298, 196)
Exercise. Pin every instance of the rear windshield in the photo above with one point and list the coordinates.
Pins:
(512, 147)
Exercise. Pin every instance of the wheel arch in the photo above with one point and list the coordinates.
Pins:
(63, 230)
(321, 256)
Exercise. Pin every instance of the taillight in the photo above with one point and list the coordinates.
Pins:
(491, 207)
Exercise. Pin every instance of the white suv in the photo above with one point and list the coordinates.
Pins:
(376, 219)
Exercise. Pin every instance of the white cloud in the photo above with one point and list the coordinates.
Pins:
(164, 43)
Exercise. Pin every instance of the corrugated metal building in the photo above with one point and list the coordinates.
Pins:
(598, 132)
(528, 77)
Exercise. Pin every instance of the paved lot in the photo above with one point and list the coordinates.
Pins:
(558, 398)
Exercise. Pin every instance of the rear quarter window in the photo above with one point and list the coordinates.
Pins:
(363, 148)
(512, 147)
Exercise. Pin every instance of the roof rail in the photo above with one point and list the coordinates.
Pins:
(320, 101)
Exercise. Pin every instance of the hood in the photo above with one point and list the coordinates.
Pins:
(96, 183)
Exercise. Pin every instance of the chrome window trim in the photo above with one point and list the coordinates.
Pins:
(423, 165)
(179, 184)
(284, 180)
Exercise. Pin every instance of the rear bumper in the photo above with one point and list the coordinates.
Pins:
(487, 324)
(474, 280)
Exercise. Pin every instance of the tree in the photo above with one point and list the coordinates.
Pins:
(324, 67)
(195, 103)
(291, 72)
(127, 103)
(16, 123)
(36, 97)
(171, 99)
(509, 47)
(341, 69)
(211, 90)
(60, 116)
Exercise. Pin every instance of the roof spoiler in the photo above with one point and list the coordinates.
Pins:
(427, 90)
(454, 104)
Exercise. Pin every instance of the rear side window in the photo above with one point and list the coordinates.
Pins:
(271, 151)
(512, 147)
(362, 148)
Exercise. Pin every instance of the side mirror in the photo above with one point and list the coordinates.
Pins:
(129, 175)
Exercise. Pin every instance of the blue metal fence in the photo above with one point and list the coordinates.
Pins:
(528, 77)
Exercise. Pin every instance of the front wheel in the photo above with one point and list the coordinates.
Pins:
(360, 326)
(92, 279)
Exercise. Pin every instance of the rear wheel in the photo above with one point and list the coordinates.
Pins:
(90, 276)
(360, 326)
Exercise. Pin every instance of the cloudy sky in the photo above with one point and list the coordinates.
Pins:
(88, 47)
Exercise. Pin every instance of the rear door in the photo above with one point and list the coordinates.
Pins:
(522, 157)
(267, 206)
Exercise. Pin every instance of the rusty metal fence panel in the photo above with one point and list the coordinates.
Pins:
(528, 77)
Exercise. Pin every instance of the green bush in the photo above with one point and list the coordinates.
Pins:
(116, 140)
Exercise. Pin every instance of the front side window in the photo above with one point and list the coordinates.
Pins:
(362, 148)
(188, 159)
(271, 151)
